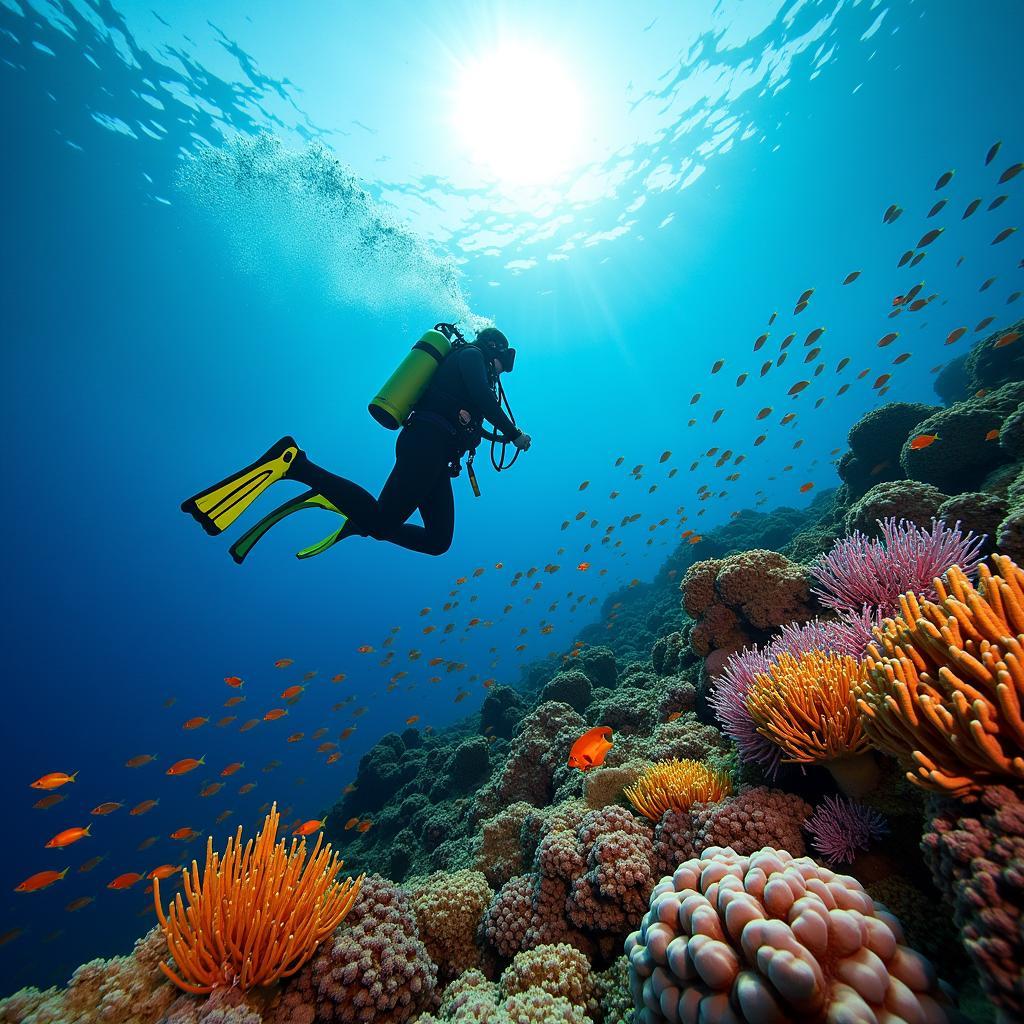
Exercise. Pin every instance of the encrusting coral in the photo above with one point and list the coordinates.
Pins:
(676, 784)
(257, 914)
(945, 683)
(448, 908)
(771, 937)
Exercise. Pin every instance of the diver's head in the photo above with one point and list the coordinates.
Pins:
(496, 350)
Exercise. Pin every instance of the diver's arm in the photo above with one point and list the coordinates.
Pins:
(474, 374)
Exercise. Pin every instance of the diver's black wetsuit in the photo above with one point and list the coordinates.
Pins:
(424, 452)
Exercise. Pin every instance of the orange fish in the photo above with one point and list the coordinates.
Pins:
(284, 662)
(195, 723)
(107, 808)
(590, 749)
(40, 880)
(48, 801)
(211, 789)
(186, 764)
(292, 691)
(226, 721)
(339, 678)
(139, 760)
(351, 823)
(274, 713)
(125, 881)
(232, 768)
(365, 826)
(78, 904)
(68, 836)
(674, 715)
(164, 871)
(1007, 339)
(232, 701)
(806, 487)
(296, 737)
(223, 816)
(307, 828)
(333, 758)
(583, 566)
(233, 681)
(365, 649)
(247, 788)
(91, 863)
(53, 780)
(923, 441)
(146, 805)
(412, 719)
(992, 435)
(184, 834)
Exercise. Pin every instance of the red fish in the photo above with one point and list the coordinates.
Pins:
(40, 880)
(590, 749)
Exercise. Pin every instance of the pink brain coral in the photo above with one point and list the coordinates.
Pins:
(730, 939)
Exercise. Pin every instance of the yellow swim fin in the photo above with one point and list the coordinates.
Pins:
(216, 508)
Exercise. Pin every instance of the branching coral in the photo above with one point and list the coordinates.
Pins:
(945, 683)
(805, 705)
(258, 913)
(676, 784)
(860, 571)
(771, 937)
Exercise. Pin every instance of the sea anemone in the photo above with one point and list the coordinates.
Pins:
(839, 828)
(945, 683)
(257, 915)
(677, 784)
(805, 706)
(861, 571)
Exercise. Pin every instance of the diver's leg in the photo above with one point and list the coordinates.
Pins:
(353, 501)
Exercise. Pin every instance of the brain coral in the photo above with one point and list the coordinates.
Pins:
(374, 968)
(900, 499)
(730, 939)
(449, 906)
(961, 457)
(975, 853)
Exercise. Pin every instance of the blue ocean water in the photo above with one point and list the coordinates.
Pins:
(225, 223)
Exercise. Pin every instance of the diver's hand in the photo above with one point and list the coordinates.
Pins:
(523, 441)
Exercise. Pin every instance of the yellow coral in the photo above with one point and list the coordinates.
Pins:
(676, 784)
(258, 913)
(945, 682)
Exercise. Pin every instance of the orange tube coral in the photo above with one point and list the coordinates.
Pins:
(258, 913)
(945, 682)
(676, 784)
(806, 707)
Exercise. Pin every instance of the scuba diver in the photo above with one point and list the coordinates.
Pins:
(440, 395)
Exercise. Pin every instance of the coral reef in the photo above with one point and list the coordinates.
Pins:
(900, 499)
(449, 906)
(374, 969)
(755, 817)
(990, 367)
(774, 937)
(976, 855)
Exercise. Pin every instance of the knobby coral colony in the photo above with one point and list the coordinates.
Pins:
(257, 914)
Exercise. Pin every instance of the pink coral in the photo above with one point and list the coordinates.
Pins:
(753, 818)
(840, 827)
(590, 878)
(860, 571)
(374, 968)
(976, 853)
(772, 937)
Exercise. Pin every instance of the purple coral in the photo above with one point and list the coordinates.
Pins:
(860, 571)
(839, 828)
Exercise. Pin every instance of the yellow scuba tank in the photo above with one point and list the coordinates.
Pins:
(404, 388)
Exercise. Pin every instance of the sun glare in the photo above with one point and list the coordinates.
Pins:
(519, 114)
